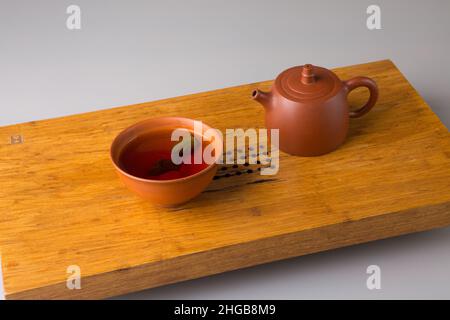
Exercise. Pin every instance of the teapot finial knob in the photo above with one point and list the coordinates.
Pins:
(307, 74)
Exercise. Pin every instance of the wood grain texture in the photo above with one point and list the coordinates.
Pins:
(61, 203)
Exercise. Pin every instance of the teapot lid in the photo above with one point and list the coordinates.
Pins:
(307, 82)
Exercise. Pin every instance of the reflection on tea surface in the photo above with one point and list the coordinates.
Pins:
(149, 157)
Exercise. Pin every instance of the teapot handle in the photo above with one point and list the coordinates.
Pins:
(373, 89)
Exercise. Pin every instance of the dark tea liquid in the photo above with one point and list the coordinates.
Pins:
(143, 157)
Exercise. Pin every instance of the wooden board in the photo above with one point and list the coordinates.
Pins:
(62, 204)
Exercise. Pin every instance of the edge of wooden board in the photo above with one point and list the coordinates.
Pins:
(197, 94)
(2, 287)
(247, 254)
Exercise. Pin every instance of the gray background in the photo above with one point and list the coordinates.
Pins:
(135, 51)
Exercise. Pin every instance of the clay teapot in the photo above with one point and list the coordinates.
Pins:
(308, 104)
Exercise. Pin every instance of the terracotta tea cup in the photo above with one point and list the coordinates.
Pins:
(162, 192)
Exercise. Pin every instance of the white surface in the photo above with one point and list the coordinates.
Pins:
(136, 51)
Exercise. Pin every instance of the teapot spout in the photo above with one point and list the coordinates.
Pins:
(262, 97)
